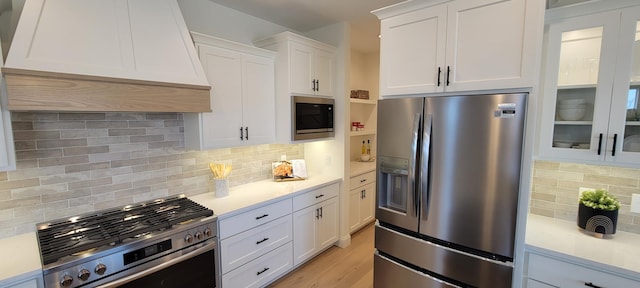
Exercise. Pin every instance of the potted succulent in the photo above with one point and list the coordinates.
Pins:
(598, 212)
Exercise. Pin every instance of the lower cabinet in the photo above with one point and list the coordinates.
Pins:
(547, 272)
(315, 226)
(255, 246)
(362, 198)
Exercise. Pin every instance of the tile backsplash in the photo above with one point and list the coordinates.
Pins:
(555, 188)
(74, 163)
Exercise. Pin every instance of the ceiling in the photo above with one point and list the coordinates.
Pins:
(307, 15)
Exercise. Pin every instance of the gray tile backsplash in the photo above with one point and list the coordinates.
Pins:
(555, 186)
(74, 163)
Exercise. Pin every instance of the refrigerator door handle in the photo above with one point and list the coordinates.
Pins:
(412, 168)
(424, 164)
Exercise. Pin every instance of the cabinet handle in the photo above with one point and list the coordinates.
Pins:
(615, 142)
(363, 180)
(320, 212)
(263, 215)
(241, 134)
(317, 85)
(263, 270)
(439, 73)
(364, 193)
(246, 133)
(589, 284)
(313, 82)
(600, 144)
(317, 213)
(320, 196)
(448, 74)
(260, 241)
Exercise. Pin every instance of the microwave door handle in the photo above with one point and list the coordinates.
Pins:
(424, 164)
(412, 169)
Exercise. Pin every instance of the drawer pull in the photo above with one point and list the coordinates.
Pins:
(263, 270)
(258, 242)
(589, 284)
(363, 180)
(320, 196)
(260, 217)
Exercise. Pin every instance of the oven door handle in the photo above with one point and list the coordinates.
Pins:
(210, 245)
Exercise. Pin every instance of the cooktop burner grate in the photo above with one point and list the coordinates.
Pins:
(74, 235)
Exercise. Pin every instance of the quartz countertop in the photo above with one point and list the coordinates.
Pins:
(21, 258)
(244, 197)
(360, 167)
(619, 254)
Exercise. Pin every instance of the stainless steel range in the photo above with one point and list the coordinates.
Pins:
(168, 242)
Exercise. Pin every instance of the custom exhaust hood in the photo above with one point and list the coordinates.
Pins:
(104, 55)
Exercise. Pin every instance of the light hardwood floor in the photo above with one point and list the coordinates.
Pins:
(350, 267)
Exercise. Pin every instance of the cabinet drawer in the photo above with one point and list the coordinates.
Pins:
(362, 179)
(248, 245)
(563, 274)
(315, 196)
(261, 271)
(253, 218)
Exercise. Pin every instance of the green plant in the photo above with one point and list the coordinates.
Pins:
(599, 199)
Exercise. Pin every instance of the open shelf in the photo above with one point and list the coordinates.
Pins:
(573, 122)
(363, 101)
(363, 133)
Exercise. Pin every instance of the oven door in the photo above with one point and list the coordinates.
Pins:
(194, 268)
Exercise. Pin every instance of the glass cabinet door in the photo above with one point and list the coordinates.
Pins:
(578, 80)
(625, 110)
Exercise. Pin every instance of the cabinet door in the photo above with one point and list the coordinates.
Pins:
(361, 206)
(412, 52)
(302, 73)
(258, 112)
(578, 81)
(368, 203)
(328, 223)
(355, 197)
(625, 116)
(305, 235)
(485, 51)
(325, 63)
(221, 127)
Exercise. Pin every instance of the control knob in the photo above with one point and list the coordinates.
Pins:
(207, 232)
(66, 280)
(198, 235)
(188, 238)
(84, 274)
(100, 269)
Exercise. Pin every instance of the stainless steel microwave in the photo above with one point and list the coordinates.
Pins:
(311, 118)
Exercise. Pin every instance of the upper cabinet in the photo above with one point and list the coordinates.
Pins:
(459, 45)
(591, 88)
(303, 67)
(242, 96)
(312, 70)
(98, 55)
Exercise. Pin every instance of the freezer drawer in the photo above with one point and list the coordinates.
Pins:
(390, 274)
(466, 268)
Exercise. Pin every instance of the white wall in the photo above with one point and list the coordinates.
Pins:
(216, 20)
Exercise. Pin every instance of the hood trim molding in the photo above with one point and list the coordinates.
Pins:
(69, 93)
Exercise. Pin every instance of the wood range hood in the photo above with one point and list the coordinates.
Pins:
(102, 56)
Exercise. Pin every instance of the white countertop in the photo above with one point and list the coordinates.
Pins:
(242, 198)
(21, 258)
(619, 254)
(359, 167)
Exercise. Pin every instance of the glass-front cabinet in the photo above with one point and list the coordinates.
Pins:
(591, 105)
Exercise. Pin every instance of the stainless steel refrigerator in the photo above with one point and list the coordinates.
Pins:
(448, 177)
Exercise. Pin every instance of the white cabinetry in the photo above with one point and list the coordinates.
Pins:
(255, 246)
(545, 272)
(361, 200)
(591, 88)
(303, 67)
(459, 45)
(315, 222)
(312, 70)
(242, 96)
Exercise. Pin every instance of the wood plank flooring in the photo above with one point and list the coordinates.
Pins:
(351, 267)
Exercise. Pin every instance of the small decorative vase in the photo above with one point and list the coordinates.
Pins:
(221, 187)
(597, 221)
